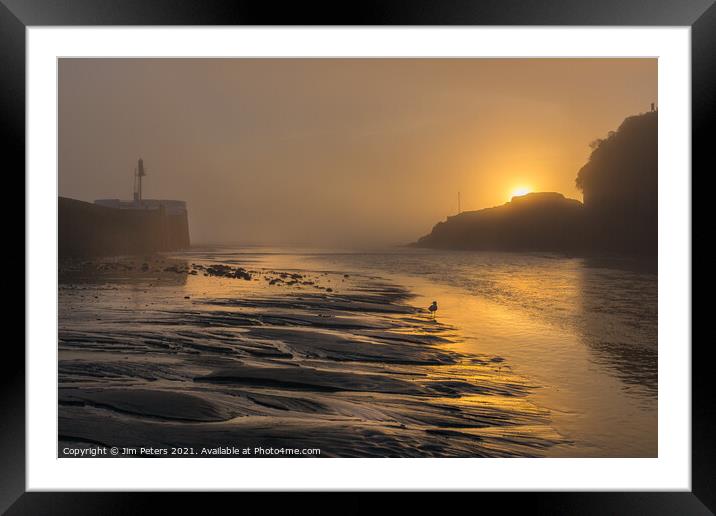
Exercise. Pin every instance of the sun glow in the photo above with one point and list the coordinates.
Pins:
(522, 190)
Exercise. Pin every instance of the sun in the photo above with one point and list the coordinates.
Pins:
(518, 192)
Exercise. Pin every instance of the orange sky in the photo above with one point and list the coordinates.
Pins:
(336, 151)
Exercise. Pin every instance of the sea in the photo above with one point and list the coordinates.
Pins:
(561, 350)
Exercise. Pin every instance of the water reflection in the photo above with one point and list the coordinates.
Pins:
(609, 304)
(618, 318)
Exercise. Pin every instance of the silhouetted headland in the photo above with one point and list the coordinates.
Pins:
(619, 213)
(537, 221)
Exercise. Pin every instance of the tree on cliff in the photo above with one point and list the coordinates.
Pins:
(623, 166)
(620, 186)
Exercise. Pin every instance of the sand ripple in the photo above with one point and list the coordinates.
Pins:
(356, 373)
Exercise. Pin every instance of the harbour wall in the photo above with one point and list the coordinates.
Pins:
(86, 229)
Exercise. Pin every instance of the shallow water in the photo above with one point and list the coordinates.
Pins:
(584, 330)
(529, 355)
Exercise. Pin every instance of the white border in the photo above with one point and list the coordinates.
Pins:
(670, 471)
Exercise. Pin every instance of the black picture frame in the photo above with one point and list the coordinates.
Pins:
(17, 15)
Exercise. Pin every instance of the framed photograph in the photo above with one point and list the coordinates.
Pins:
(417, 248)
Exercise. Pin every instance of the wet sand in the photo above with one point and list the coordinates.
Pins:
(210, 353)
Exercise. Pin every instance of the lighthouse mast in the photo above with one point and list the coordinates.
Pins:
(139, 173)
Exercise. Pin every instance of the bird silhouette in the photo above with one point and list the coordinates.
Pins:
(433, 308)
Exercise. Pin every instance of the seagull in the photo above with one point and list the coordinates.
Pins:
(433, 308)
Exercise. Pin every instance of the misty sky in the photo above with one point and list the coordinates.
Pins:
(336, 151)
